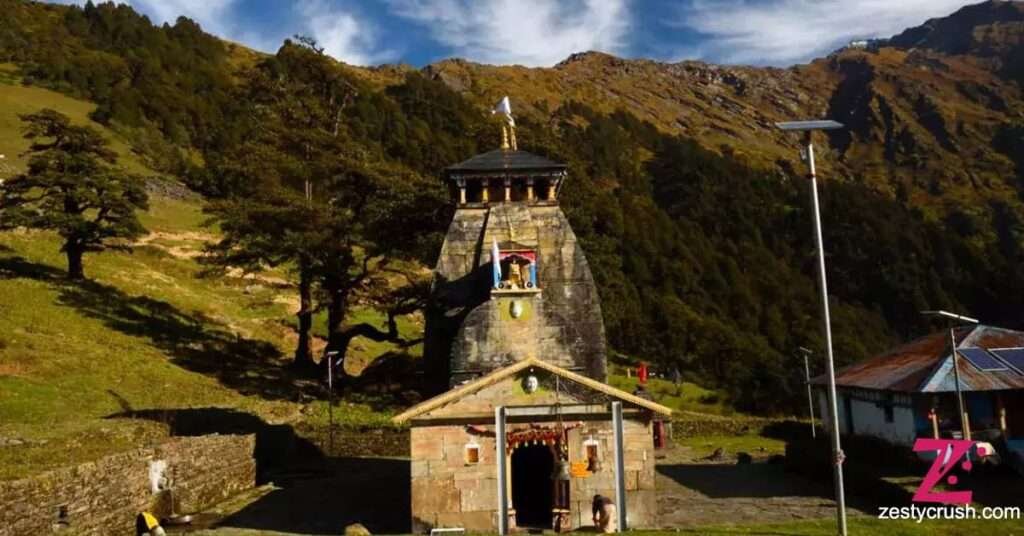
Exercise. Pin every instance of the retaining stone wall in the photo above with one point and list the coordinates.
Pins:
(104, 496)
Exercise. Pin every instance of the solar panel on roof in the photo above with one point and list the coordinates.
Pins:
(1013, 356)
(980, 358)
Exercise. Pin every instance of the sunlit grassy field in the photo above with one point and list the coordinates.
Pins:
(16, 99)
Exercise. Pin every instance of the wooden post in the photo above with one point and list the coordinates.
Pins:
(529, 189)
(508, 189)
(1002, 416)
(967, 426)
(934, 418)
(462, 191)
(486, 194)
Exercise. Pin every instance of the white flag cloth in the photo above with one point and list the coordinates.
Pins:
(496, 263)
(503, 107)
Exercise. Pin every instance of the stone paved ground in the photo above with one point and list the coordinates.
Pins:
(693, 492)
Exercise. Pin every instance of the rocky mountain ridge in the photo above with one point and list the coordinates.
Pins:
(923, 111)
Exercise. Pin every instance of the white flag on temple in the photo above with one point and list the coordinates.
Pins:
(503, 107)
(496, 263)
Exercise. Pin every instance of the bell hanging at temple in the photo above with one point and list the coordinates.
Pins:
(561, 471)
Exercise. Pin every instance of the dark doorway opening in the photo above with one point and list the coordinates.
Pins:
(532, 489)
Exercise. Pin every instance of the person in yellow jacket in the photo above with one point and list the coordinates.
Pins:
(147, 525)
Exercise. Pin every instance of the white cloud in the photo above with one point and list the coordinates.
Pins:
(343, 35)
(782, 32)
(213, 15)
(528, 32)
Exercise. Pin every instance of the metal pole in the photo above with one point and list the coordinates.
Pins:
(810, 396)
(959, 393)
(330, 404)
(837, 451)
(499, 441)
(620, 467)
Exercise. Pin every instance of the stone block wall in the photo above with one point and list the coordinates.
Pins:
(104, 496)
(469, 333)
(449, 492)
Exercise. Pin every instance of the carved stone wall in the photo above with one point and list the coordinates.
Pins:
(447, 491)
(469, 332)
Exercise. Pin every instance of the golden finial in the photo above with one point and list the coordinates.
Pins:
(508, 128)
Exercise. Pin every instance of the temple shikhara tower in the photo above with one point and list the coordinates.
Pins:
(512, 281)
(515, 322)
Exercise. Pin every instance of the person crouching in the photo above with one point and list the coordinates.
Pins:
(604, 514)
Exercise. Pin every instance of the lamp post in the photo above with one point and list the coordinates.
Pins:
(329, 356)
(807, 128)
(807, 381)
(965, 430)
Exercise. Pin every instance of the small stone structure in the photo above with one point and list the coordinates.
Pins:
(454, 472)
(104, 496)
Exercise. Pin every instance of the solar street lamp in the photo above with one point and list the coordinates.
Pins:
(807, 128)
(953, 317)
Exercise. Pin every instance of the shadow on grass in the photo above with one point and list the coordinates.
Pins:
(371, 491)
(278, 448)
(195, 342)
(313, 493)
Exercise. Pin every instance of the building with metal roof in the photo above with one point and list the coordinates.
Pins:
(910, 391)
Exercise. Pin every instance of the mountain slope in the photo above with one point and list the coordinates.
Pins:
(920, 123)
(682, 191)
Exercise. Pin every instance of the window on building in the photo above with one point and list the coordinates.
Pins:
(472, 454)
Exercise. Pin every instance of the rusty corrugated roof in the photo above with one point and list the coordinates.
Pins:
(926, 366)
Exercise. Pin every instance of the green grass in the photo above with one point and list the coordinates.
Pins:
(355, 412)
(685, 397)
(861, 526)
(363, 351)
(16, 99)
(733, 444)
(145, 332)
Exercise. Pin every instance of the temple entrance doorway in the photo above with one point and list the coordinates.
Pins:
(532, 487)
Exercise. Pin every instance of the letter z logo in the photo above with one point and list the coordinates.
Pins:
(948, 453)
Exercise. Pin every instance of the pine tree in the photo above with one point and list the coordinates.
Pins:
(73, 187)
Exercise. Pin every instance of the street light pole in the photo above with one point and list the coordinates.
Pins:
(965, 429)
(807, 127)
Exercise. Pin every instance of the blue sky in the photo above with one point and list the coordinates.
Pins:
(543, 32)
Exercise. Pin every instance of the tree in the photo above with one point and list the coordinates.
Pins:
(293, 144)
(300, 191)
(73, 187)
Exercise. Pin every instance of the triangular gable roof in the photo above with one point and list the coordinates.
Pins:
(502, 373)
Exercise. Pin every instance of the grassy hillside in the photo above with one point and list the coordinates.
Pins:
(145, 332)
(17, 99)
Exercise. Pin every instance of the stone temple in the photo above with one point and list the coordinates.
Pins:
(515, 322)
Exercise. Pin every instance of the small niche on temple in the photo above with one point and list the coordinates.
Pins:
(474, 192)
(517, 273)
